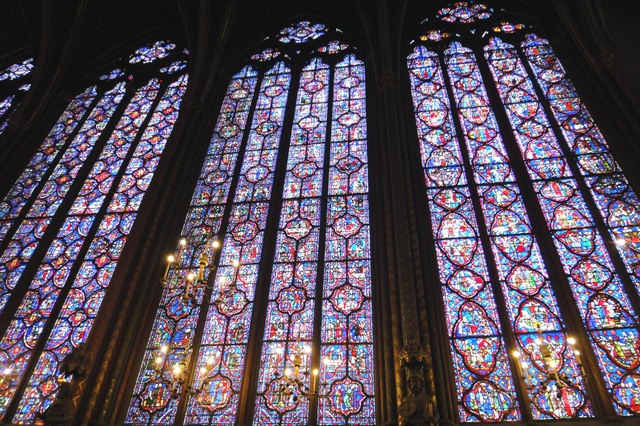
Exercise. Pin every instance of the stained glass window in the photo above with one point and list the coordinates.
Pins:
(90, 175)
(525, 202)
(284, 192)
(14, 83)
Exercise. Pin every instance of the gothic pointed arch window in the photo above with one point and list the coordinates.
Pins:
(14, 83)
(284, 192)
(66, 219)
(525, 201)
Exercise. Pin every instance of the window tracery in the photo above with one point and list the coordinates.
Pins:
(288, 158)
(515, 170)
(90, 175)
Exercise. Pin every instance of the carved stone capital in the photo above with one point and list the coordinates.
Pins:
(418, 407)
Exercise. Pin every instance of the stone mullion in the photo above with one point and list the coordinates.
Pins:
(113, 376)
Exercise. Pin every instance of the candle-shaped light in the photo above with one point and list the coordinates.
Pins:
(203, 262)
(297, 363)
(314, 380)
(236, 266)
(577, 354)
(572, 342)
(525, 371)
(523, 366)
(182, 244)
(188, 285)
(547, 355)
(6, 373)
(170, 260)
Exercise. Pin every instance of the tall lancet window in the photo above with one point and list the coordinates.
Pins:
(535, 226)
(282, 323)
(66, 219)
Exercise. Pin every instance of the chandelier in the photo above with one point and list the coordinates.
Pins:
(171, 361)
(297, 380)
(551, 366)
(172, 374)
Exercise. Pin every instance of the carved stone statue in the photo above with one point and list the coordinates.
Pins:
(418, 407)
(75, 362)
(62, 409)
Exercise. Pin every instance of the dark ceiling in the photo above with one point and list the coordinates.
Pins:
(68, 37)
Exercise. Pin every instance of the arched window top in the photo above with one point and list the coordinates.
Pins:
(300, 42)
(152, 52)
(174, 67)
(17, 70)
(112, 75)
(471, 21)
(284, 191)
(161, 56)
(155, 58)
(84, 184)
(532, 219)
(301, 32)
(464, 12)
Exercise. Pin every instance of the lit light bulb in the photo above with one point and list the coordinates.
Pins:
(287, 372)
(176, 369)
(183, 242)
(307, 349)
(159, 360)
(577, 353)
(235, 263)
(571, 341)
(191, 276)
(215, 244)
(315, 372)
(203, 370)
(170, 258)
(325, 361)
(210, 360)
(516, 354)
(621, 242)
(164, 349)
